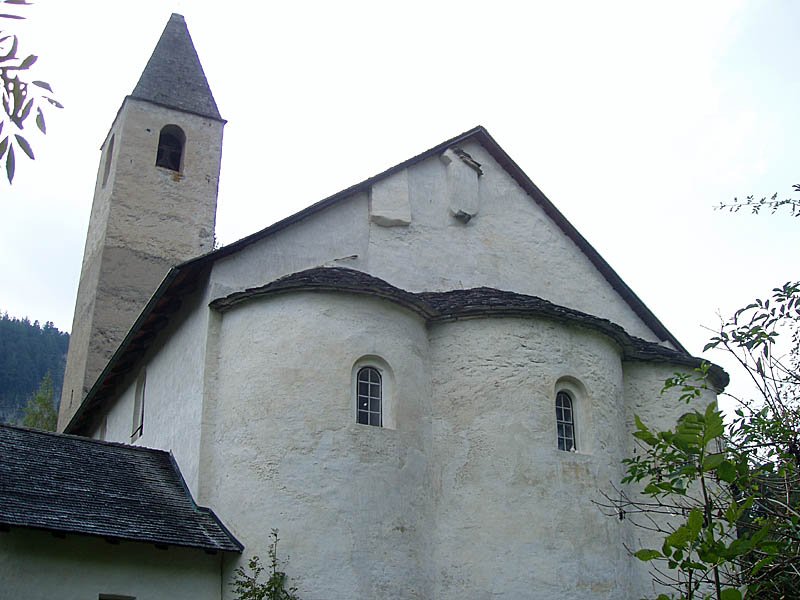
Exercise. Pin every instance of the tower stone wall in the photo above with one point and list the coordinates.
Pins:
(145, 218)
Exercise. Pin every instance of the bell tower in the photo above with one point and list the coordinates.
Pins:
(155, 204)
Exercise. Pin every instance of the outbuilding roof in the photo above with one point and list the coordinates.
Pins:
(75, 485)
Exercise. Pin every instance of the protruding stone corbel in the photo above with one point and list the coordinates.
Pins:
(462, 184)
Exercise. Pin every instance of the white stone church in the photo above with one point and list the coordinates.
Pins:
(422, 381)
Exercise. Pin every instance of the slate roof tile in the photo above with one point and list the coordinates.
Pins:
(78, 485)
(174, 76)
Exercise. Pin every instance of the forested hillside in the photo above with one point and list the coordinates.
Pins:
(28, 352)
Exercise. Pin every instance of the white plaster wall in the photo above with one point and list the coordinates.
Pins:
(173, 392)
(510, 244)
(352, 502)
(515, 517)
(336, 236)
(36, 566)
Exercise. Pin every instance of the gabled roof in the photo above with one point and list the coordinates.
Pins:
(174, 76)
(75, 485)
(185, 277)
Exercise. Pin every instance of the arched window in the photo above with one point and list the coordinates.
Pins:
(369, 396)
(171, 141)
(565, 421)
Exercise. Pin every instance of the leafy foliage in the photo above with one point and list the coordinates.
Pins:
(40, 411)
(21, 97)
(28, 351)
(771, 203)
(726, 499)
(248, 587)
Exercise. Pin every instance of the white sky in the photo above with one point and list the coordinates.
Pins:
(635, 118)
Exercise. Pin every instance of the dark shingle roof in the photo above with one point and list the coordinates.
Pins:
(463, 304)
(174, 76)
(77, 485)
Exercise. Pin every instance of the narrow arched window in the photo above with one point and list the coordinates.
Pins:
(171, 141)
(565, 421)
(369, 393)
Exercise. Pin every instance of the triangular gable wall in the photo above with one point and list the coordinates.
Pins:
(401, 226)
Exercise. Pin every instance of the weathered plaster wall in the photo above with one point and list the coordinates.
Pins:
(352, 502)
(36, 566)
(515, 517)
(509, 244)
(173, 391)
(337, 236)
(466, 496)
(404, 231)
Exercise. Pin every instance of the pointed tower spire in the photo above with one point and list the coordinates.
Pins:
(174, 76)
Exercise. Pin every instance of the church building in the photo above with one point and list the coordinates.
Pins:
(422, 381)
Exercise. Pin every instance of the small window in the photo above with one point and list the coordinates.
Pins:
(171, 142)
(565, 421)
(109, 155)
(138, 406)
(369, 397)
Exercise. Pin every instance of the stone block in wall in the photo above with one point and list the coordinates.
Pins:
(462, 184)
(389, 204)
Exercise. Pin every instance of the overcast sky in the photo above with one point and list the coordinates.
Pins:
(634, 118)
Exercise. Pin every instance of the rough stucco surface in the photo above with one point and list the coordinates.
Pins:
(173, 393)
(337, 236)
(144, 220)
(510, 244)
(512, 510)
(36, 566)
(465, 496)
(351, 501)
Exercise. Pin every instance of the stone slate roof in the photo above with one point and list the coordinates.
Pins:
(174, 76)
(69, 484)
(463, 304)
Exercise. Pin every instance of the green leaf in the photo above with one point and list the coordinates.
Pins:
(28, 62)
(10, 164)
(42, 84)
(712, 461)
(40, 120)
(726, 471)
(731, 594)
(645, 554)
(3, 146)
(26, 147)
(695, 522)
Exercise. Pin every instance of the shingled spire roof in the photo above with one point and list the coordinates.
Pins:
(174, 76)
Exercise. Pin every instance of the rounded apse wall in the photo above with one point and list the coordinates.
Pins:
(511, 504)
(294, 456)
